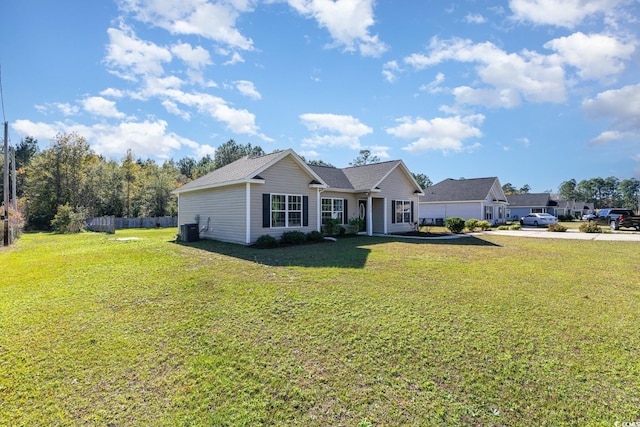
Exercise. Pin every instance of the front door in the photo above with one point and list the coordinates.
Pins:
(362, 214)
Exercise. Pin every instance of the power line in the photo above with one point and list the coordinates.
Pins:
(4, 118)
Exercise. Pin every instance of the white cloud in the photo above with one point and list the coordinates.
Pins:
(493, 98)
(434, 85)
(66, 108)
(610, 136)
(440, 133)
(205, 150)
(247, 88)
(173, 108)
(380, 151)
(197, 57)
(566, 13)
(620, 104)
(534, 77)
(146, 139)
(474, 18)
(63, 107)
(100, 106)
(622, 107)
(38, 130)
(389, 71)
(235, 58)
(113, 93)
(130, 57)
(596, 56)
(214, 21)
(347, 21)
(344, 130)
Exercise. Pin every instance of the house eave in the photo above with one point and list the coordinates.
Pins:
(179, 191)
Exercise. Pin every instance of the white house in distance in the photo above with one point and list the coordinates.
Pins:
(479, 198)
(279, 192)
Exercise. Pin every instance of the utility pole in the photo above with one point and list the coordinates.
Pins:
(14, 198)
(6, 184)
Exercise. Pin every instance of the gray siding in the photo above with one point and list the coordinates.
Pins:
(285, 177)
(223, 208)
(397, 186)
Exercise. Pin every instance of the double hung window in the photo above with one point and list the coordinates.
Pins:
(286, 210)
(333, 208)
(402, 211)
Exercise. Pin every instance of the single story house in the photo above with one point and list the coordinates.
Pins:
(523, 204)
(479, 198)
(574, 208)
(279, 192)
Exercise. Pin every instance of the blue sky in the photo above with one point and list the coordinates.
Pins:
(534, 92)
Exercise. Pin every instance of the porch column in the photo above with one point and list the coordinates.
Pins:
(319, 211)
(369, 216)
(384, 216)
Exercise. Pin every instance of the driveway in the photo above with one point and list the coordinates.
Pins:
(569, 234)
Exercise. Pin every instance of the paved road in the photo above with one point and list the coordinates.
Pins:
(569, 234)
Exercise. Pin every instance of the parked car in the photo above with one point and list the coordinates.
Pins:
(616, 218)
(588, 217)
(537, 219)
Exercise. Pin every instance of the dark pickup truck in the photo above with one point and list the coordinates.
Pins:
(617, 218)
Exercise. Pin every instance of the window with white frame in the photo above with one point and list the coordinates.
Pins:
(332, 208)
(286, 210)
(488, 213)
(402, 210)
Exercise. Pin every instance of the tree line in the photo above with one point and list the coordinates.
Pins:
(602, 192)
(70, 174)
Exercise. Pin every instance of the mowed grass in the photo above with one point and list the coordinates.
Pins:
(96, 329)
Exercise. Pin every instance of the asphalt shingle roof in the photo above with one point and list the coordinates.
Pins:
(529, 199)
(458, 190)
(334, 177)
(241, 169)
(366, 177)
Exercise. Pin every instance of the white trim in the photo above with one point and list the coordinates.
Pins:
(247, 231)
(369, 216)
(385, 215)
(217, 185)
(332, 211)
(318, 210)
(286, 210)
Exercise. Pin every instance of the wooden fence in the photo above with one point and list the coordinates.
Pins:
(109, 224)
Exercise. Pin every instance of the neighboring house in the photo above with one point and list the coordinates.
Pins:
(574, 208)
(479, 198)
(279, 192)
(523, 204)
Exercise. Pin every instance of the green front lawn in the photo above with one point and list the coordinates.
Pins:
(102, 329)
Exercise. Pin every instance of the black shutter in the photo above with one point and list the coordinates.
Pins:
(345, 213)
(393, 212)
(305, 211)
(412, 211)
(266, 210)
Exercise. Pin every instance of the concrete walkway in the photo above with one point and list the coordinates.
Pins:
(569, 234)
